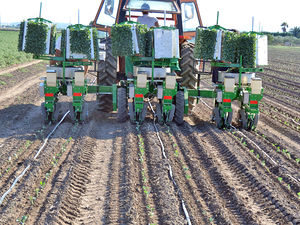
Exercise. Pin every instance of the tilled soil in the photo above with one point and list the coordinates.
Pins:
(105, 172)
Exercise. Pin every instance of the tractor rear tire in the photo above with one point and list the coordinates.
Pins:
(122, 114)
(179, 108)
(187, 66)
(107, 75)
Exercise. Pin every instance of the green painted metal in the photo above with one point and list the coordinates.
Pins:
(168, 100)
(114, 96)
(186, 101)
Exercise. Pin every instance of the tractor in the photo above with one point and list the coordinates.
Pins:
(173, 80)
(182, 16)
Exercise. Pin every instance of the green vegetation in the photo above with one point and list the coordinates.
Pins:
(205, 44)
(247, 49)
(122, 44)
(36, 38)
(9, 53)
(80, 41)
(229, 47)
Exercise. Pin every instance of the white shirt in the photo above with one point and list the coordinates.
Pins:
(147, 20)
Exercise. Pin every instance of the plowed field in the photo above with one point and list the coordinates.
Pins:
(105, 172)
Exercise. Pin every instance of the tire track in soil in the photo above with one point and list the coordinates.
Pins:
(41, 212)
(68, 210)
(164, 195)
(18, 198)
(94, 203)
(114, 203)
(196, 201)
(275, 196)
(283, 200)
(222, 200)
(242, 192)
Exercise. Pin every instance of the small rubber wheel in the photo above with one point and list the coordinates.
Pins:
(131, 112)
(171, 114)
(229, 119)
(142, 115)
(243, 119)
(254, 122)
(218, 119)
(44, 113)
(158, 112)
(122, 114)
(72, 112)
(179, 108)
(57, 111)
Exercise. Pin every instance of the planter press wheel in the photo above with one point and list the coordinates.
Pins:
(160, 117)
(222, 122)
(254, 122)
(50, 116)
(243, 120)
(122, 114)
(246, 123)
(78, 116)
(179, 108)
(137, 117)
(47, 116)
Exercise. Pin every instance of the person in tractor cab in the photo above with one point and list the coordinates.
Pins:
(146, 19)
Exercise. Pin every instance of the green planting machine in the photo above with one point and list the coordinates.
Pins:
(161, 68)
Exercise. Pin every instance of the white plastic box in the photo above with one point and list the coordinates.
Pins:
(261, 50)
(166, 43)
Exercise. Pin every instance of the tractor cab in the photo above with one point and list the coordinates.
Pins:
(182, 14)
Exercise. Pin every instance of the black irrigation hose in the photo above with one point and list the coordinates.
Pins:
(36, 155)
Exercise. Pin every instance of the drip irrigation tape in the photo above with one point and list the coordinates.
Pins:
(187, 217)
(36, 155)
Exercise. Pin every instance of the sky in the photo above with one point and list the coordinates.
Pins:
(234, 14)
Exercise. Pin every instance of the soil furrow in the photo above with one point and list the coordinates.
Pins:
(68, 210)
(244, 176)
(232, 208)
(19, 195)
(187, 180)
(112, 201)
(287, 81)
(165, 197)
